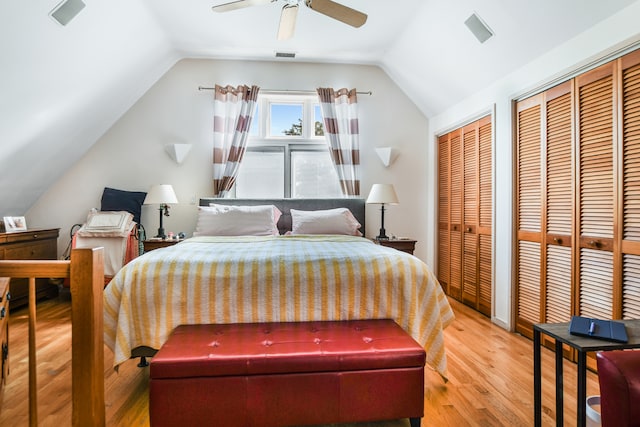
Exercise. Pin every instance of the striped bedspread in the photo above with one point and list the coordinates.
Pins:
(271, 279)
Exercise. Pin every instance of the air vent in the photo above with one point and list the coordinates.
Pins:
(66, 10)
(478, 28)
(285, 55)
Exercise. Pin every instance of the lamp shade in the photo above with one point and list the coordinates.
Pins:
(161, 194)
(383, 193)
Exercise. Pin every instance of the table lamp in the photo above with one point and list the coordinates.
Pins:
(161, 194)
(382, 193)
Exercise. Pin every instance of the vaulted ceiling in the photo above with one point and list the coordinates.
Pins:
(62, 87)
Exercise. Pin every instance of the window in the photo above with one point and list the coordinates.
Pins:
(287, 155)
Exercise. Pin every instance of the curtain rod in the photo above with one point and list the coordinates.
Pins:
(285, 91)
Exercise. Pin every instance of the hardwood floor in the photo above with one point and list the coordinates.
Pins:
(490, 377)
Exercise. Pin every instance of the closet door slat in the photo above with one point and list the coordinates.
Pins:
(470, 270)
(443, 212)
(558, 284)
(631, 287)
(456, 180)
(485, 274)
(529, 281)
(596, 158)
(596, 283)
(470, 140)
(559, 171)
(631, 149)
(529, 197)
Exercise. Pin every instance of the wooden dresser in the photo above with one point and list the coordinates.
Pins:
(4, 332)
(31, 244)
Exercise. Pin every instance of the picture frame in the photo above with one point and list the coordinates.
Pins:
(15, 223)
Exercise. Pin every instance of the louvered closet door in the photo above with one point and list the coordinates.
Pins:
(528, 213)
(557, 267)
(443, 213)
(465, 214)
(595, 144)
(455, 214)
(485, 219)
(470, 212)
(630, 292)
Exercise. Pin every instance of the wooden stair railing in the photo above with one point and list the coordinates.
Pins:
(86, 273)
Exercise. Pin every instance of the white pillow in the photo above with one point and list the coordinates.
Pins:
(330, 221)
(223, 220)
(276, 212)
(107, 224)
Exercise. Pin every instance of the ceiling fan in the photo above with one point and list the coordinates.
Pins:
(289, 13)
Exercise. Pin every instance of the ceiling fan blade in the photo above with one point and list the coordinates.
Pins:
(238, 4)
(288, 19)
(338, 11)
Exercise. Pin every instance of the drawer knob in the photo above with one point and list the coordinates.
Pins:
(8, 296)
(557, 240)
(35, 236)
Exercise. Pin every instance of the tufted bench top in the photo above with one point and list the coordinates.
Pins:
(289, 347)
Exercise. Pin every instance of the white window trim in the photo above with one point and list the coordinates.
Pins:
(307, 142)
(264, 126)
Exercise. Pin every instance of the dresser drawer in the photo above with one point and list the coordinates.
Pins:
(45, 249)
(31, 236)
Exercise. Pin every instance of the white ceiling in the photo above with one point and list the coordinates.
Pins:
(423, 44)
(61, 87)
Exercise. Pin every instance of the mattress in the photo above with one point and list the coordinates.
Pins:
(205, 280)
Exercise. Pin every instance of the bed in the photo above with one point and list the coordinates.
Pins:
(271, 278)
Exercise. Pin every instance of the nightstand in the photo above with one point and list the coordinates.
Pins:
(150, 245)
(405, 245)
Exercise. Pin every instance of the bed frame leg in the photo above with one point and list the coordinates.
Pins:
(415, 422)
(143, 364)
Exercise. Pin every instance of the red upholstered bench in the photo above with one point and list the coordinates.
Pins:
(287, 374)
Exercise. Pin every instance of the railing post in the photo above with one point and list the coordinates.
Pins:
(33, 381)
(87, 366)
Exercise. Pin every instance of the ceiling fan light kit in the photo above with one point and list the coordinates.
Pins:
(289, 12)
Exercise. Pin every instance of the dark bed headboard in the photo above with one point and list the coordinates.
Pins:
(355, 205)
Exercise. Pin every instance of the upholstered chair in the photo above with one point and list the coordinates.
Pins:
(619, 378)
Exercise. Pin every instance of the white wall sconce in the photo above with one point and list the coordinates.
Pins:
(178, 152)
(387, 155)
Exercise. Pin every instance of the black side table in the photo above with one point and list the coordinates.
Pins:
(560, 332)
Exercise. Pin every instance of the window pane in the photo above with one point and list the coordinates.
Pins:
(286, 120)
(261, 175)
(255, 123)
(313, 175)
(318, 121)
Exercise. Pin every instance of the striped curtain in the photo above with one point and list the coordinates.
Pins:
(340, 112)
(233, 109)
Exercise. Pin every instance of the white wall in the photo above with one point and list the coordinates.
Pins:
(52, 75)
(131, 155)
(607, 37)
